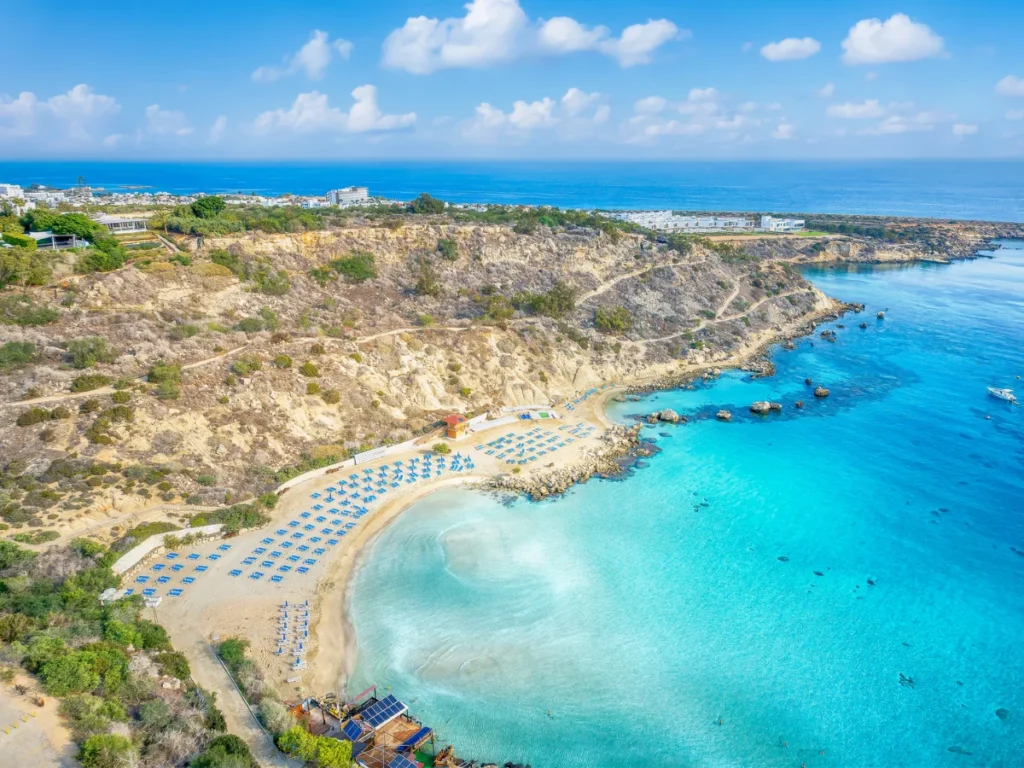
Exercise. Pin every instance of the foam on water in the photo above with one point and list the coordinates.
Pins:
(615, 626)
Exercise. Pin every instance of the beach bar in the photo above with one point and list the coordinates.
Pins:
(458, 426)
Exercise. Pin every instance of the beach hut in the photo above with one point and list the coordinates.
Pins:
(458, 426)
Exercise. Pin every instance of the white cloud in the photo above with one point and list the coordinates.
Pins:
(166, 121)
(217, 129)
(871, 76)
(856, 111)
(313, 58)
(494, 31)
(791, 49)
(674, 128)
(872, 41)
(964, 129)
(17, 116)
(639, 41)
(1011, 85)
(651, 105)
(784, 131)
(113, 140)
(1014, 114)
(748, 106)
(575, 101)
(312, 113)
(82, 103)
(827, 90)
(534, 114)
(905, 121)
(700, 101)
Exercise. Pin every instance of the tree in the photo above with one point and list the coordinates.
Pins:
(232, 651)
(448, 249)
(424, 203)
(297, 742)
(208, 207)
(611, 319)
(426, 279)
(226, 751)
(107, 750)
(70, 673)
(357, 268)
(333, 753)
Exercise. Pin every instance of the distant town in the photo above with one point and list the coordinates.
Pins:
(18, 200)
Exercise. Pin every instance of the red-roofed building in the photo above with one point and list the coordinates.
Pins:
(458, 425)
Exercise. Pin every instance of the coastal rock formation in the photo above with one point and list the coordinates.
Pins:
(760, 407)
(670, 416)
(618, 442)
(724, 415)
(821, 392)
(760, 368)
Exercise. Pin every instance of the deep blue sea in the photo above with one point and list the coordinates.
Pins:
(990, 190)
(837, 586)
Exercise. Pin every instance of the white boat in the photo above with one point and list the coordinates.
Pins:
(1003, 394)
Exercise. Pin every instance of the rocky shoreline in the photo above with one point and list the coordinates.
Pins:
(619, 442)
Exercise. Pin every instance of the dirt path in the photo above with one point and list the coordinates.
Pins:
(420, 329)
(719, 318)
(110, 390)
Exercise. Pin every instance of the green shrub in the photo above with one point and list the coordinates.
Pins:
(317, 349)
(556, 302)
(183, 331)
(164, 372)
(87, 352)
(441, 449)
(356, 268)
(16, 354)
(20, 309)
(612, 319)
(357, 357)
(206, 480)
(331, 396)
(20, 241)
(107, 750)
(465, 392)
(32, 416)
(249, 325)
(448, 249)
(312, 388)
(425, 204)
(168, 390)
(309, 370)
(426, 320)
(89, 382)
(283, 361)
(120, 398)
(245, 365)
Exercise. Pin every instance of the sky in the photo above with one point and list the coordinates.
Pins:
(513, 79)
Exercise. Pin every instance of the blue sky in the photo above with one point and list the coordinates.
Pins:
(513, 79)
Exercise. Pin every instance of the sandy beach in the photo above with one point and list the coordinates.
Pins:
(226, 606)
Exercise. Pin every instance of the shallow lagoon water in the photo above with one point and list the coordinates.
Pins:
(617, 625)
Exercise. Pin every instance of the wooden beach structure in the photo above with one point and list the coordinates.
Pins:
(458, 426)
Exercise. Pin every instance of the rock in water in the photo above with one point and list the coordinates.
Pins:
(1002, 713)
(775, 406)
(958, 750)
(761, 406)
(808, 381)
(799, 403)
(724, 415)
(669, 415)
(821, 392)
(880, 315)
(863, 325)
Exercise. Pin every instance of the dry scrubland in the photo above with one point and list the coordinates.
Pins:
(224, 375)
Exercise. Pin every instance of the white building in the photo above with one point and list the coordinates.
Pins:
(11, 190)
(669, 221)
(348, 196)
(772, 224)
(117, 225)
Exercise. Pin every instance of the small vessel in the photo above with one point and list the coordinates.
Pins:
(1003, 394)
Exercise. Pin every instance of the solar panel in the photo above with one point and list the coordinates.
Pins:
(383, 711)
(401, 761)
(352, 730)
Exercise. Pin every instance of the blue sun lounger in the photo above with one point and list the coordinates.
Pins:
(235, 572)
(188, 580)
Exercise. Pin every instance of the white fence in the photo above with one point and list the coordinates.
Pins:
(138, 553)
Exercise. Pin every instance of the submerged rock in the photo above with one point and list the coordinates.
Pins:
(863, 325)
(808, 381)
(880, 315)
(782, 559)
(1002, 713)
(958, 750)
(799, 403)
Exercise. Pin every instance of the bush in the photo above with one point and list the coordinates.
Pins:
(89, 382)
(20, 309)
(556, 303)
(283, 361)
(245, 365)
(19, 241)
(208, 207)
(206, 480)
(249, 325)
(448, 249)
(426, 320)
(232, 652)
(87, 352)
(357, 268)
(175, 664)
(168, 390)
(107, 750)
(465, 392)
(183, 331)
(15, 354)
(162, 372)
(271, 283)
(317, 349)
(227, 751)
(120, 398)
(611, 319)
(357, 357)
(441, 449)
(331, 397)
(32, 416)
(312, 388)
(426, 204)
(309, 370)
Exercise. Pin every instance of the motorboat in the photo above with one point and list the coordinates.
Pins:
(1003, 394)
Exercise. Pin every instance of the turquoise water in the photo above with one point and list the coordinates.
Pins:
(615, 626)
